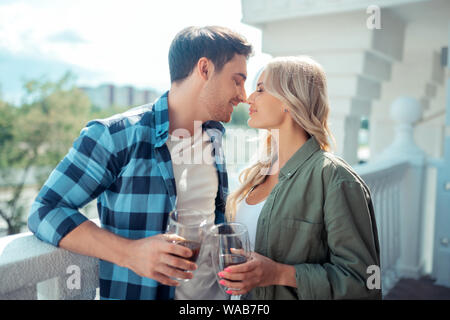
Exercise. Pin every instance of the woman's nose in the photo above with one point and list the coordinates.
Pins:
(250, 98)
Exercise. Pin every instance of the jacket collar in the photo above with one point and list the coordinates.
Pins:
(310, 147)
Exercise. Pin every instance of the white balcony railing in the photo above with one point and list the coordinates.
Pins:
(396, 179)
(385, 183)
(31, 269)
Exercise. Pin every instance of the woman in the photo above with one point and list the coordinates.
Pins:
(315, 227)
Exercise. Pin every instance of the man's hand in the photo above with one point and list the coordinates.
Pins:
(156, 258)
(153, 257)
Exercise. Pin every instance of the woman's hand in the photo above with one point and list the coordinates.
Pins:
(259, 271)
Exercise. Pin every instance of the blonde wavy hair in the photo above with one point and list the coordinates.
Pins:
(300, 84)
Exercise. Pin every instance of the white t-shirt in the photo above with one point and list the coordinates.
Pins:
(194, 171)
(248, 215)
(197, 184)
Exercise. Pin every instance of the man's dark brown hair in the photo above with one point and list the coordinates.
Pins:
(218, 44)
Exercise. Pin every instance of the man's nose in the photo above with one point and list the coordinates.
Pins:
(242, 96)
(250, 99)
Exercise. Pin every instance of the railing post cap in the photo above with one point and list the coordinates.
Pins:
(406, 110)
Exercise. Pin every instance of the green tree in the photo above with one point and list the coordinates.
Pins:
(37, 135)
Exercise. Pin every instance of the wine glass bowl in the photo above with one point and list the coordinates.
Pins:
(231, 246)
(187, 227)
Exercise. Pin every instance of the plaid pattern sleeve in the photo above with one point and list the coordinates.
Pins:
(80, 177)
(124, 163)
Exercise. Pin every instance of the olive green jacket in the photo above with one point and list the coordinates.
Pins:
(319, 218)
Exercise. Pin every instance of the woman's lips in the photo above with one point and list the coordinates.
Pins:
(251, 110)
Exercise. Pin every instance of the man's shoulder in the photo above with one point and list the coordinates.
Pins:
(140, 115)
(122, 130)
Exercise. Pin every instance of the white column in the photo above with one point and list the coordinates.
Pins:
(356, 60)
(345, 128)
(420, 75)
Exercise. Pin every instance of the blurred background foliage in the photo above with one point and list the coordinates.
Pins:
(35, 135)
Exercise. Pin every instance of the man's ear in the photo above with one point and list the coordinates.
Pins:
(205, 68)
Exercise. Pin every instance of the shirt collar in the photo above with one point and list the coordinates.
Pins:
(161, 110)
(300, 156)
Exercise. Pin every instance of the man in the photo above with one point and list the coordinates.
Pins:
(125, 162)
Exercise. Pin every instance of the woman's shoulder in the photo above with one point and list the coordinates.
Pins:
(334, 170)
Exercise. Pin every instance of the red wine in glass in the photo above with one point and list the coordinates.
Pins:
(193, 245)
(231, 259)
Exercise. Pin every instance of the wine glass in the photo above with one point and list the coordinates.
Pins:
(187, 227)
(231, 246)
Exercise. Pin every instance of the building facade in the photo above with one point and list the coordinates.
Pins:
(108, 95)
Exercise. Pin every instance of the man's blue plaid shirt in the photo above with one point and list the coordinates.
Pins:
(122, 161)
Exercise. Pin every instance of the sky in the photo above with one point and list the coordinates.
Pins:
(124, 42)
